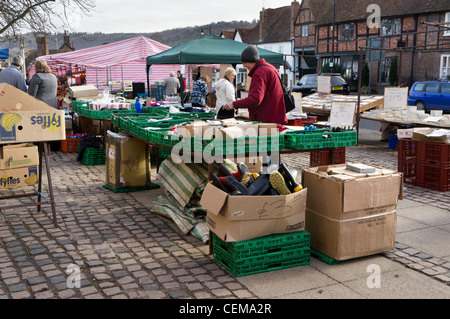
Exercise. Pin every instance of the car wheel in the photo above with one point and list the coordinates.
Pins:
(420, 105)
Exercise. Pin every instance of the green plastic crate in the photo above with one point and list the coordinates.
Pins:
(156, 110)
(193, 115)
(263, 245)
(161, 137)
(236, 146)
(93, 156)
(320, 138)
(325, 258)
(263, 263)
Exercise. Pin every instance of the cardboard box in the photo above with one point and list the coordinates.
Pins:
(18, 155)
(236, 218)
(228, 128)
(24, 118)
(358, 217)
(127, 162)
(18, 177)
(83, 91)
(434, 135)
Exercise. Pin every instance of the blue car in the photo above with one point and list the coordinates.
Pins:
(430, 95)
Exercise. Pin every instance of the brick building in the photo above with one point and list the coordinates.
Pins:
(418, 29)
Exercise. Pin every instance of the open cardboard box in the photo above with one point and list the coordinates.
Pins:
(237, 218)
(354, 216)
(24, 118)
(18, 155)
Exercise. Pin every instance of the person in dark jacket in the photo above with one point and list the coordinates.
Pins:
(12, 74)
(44, 84)
(265, 101)
(200, 91)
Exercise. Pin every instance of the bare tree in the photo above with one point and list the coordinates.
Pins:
(41, 16)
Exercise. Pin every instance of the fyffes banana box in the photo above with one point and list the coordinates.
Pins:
(18, 177)
(24, 118)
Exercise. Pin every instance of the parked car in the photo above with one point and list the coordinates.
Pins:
(308, 84)
(430, 95)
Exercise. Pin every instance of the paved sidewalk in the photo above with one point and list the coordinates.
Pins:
(124, 251)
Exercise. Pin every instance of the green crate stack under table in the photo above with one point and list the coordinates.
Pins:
(263, 254)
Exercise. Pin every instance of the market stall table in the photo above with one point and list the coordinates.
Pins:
(319, 103)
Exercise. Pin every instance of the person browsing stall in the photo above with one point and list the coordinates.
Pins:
(44, 84)
(200, 91)
(171, 85)
(13, 76)
(226, 93)
(265, 101)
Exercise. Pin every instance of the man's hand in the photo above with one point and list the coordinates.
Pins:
(228, 106)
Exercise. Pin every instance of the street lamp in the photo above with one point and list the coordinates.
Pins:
(203, 32)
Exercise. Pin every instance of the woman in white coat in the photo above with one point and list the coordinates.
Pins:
(225, 93)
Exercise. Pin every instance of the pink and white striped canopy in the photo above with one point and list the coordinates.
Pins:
(114, 62)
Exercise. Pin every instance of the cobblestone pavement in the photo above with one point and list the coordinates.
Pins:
(125, 251)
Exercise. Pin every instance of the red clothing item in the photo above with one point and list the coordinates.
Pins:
(265, 101)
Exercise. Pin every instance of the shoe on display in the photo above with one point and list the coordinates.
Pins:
(277, 182)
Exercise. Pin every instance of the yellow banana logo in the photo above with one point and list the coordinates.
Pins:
(32, 179)
(9, 119)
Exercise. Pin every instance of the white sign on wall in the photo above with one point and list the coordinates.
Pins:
(395, 98)
(342, 114)
(324, 84)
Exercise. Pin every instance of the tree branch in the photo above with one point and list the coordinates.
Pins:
(23, 14)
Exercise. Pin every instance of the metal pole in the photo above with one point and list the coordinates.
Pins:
(359, 92)
(332, 38)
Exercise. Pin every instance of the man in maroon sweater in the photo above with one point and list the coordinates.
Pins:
(265, 101)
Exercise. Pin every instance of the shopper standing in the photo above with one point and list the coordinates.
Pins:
(12, 74)
(171, 85)
(200, 91)
(44, 84)
(265, 101)
(226, 93)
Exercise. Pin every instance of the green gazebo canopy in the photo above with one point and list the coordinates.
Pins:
(209, 50)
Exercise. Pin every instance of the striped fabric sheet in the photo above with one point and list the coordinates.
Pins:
(183, 185)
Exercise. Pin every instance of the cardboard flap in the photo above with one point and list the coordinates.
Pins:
(213, 199)
(371, 192)
(15, 100)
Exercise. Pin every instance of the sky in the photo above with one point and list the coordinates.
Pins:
(110, 16)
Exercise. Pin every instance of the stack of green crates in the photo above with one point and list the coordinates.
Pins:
(268, 253)
(93, 156)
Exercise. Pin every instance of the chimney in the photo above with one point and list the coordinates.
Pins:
(66, 38)
(295, 7)
(42, 45)
(262, 23)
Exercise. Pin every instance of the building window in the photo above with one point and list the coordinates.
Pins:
(385, 67)
(347, 31)
(349, 67)
(445, 67)
(390, 26)
(304, 31)
(447, 19)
